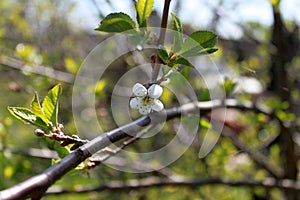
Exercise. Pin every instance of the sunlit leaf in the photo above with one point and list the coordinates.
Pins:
(275, 2)
(28, 53)
(204, 123)
(229, 85)
(285, 116)
(27, 116)
(37, 109)
(100, 86)
(71, 65)
(8, 172)
(50, 104)
(177, 27)
(143, 9)
(116, 23)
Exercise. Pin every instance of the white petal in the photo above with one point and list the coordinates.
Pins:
(145, 110)
(157, 105)
(155, 91)
(135, 102)
(139, 90)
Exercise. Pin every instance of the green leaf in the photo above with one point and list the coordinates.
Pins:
(116, 23)
(184, 62)
(50, 104)
(143, 9)
(37, 109)
(61, 151)
(137, 38)
(163, 54)
(177, 27)
(204, 123)
(204, 94)
(198, 41)
(206, 39)
(229, 86)
(23, 114)
(166, 71)
(206, 51)
(275, 3)
(71, 65)
(185, 72)
(27, 116)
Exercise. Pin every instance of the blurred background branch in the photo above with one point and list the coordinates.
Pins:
(45, 42)
(137, 184)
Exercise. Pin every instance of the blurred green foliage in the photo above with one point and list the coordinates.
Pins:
(38, 32)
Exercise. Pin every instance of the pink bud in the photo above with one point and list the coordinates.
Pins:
(39, 132)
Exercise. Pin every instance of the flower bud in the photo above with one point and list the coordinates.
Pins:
(39, 132)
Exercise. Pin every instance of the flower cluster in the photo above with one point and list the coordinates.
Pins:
(146, 100)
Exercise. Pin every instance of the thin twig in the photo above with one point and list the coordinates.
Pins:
(32, 152)
(161, 39)
(67, 140)
(164, 22)
(136, 184)
(100, 159)
(257, 157)
(100, 14)
(37, 69)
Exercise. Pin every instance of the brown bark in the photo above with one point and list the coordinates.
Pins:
(285, 49)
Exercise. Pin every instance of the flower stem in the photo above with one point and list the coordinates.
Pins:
(161, 39)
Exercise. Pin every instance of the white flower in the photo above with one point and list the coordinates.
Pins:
(146, 100)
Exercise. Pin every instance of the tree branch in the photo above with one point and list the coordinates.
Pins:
(100, 159)
(136, 184)
(36, 186)
(259, 158)
(37, 69)
(32, 152)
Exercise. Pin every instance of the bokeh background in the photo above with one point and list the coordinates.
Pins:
(43, 43)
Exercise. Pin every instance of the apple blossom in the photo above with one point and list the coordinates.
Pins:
(146, 100)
